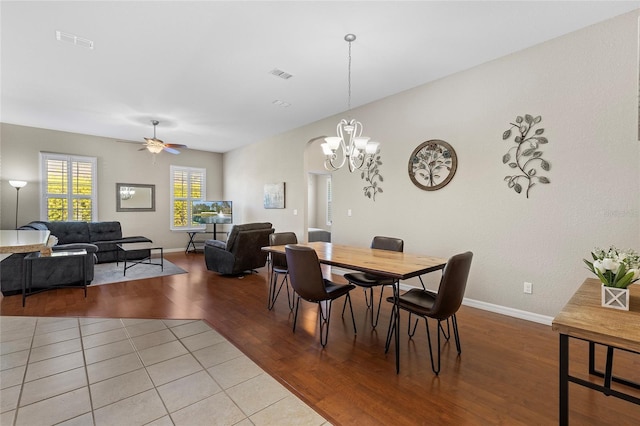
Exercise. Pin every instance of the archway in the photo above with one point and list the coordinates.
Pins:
(318, 193)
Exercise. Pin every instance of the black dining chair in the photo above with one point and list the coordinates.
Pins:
(278, 266)
(369, 281)
(440, 306)
(308, 283)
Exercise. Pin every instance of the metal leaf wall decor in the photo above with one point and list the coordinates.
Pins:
(371, 175)
(526, 157)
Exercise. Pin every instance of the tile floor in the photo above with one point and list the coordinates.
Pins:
(97, 371)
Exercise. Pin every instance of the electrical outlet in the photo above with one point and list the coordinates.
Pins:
(528, 288)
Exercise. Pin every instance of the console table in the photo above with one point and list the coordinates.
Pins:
(583, 318)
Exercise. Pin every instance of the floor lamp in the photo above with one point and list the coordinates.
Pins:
(17, 184)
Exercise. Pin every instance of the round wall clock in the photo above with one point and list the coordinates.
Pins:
(432, 165)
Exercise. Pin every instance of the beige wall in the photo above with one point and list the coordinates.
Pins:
(585, 87)
(117, 162)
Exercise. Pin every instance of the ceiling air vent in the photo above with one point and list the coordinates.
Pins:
(74, 39)
(279, 73)
(281, 103)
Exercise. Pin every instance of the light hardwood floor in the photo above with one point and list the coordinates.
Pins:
(507, 373)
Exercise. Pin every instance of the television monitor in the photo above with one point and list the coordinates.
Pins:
(204, 212)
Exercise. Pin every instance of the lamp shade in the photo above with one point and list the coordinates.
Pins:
(333, 142)
(18, 183)
(372, 147)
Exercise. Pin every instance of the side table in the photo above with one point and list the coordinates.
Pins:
(27, 266)
(191, 245)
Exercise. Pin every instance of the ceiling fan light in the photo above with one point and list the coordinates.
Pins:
(155, 149)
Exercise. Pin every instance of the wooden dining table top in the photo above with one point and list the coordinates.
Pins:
(584, 317)
(392, 264)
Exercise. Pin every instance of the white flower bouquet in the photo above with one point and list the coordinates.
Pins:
(615, 268)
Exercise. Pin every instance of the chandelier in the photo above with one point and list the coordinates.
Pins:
(349, 146)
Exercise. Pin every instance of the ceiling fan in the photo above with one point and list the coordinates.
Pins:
(156, 145)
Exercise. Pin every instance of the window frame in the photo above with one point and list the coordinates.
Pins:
(203, 191)
(69, 195)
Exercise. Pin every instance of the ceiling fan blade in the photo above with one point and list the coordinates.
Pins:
(175, 145)
(171, 150)
(144, 148)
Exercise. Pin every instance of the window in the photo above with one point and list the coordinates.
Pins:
(187, 185)
(69, 188)
(329, 202)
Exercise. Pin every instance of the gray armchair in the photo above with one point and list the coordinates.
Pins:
(242, 250)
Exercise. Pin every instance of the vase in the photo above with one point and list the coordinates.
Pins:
(616, 298)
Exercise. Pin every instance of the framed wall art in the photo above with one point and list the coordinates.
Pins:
(274, 195)
(432, 165)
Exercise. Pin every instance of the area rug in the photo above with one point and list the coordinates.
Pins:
(108, 273)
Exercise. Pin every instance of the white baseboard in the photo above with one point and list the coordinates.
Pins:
(505, 310)
(498, 309)
(173, 250)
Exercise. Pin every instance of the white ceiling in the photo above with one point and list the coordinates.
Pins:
(203, 68)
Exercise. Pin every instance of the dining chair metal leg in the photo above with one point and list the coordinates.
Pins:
(368, 300)
(411, 332)
(374, 323)
(273, 293)
(390, 331)
(433, 367)
(295, 317)
(456, 334)
(324, 313)
(273, 278)
(353, 318)
(447, 333)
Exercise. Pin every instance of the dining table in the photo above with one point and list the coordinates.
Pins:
(390, 264)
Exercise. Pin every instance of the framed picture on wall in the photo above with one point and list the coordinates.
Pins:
(274, 195)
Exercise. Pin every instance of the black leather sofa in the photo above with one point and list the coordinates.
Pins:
(242, 250)
(99, 239)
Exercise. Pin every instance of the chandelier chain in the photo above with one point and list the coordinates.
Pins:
(349, 79)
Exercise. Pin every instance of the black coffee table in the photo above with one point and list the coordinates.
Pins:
(128, 247)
